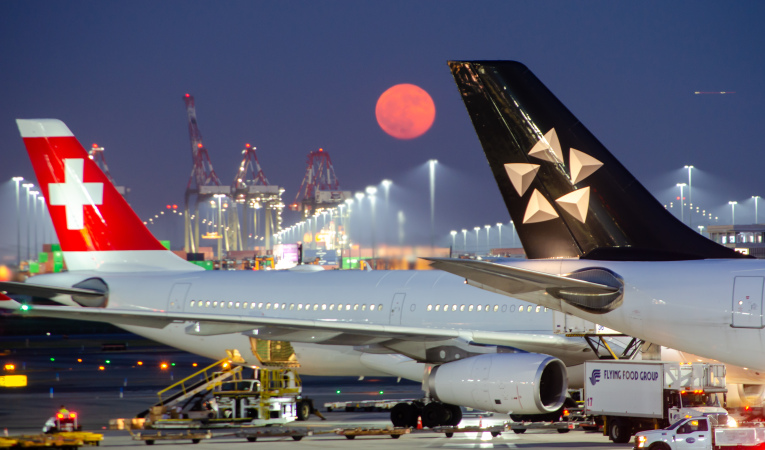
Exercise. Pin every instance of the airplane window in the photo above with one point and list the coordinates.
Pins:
(512, 308)
(364, 307)
(236, 305)
(545, 308)
(307, 306)
(284, 306)
(487, 308)
(215, 304)
(324, 307)
(446, 308)
(454, 307)
(529, 308)
(316, 307)
(462, 307)
(276, 306)
(268, 306)
(191, 303)
(245, 305)
(520, 308)
(348, 307)
(379, 307)
(438, 307)
(207, 304)
(470, 308)
(260, 305)
(538, 308)
(412, 307)
(478, 308)
(332, 307)
(300, 306)
(356, 307)
(430, 307)
(504, 308)
(496, 308)
(292, 306)
(371, 307)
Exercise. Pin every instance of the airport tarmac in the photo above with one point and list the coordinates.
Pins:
(124, 388)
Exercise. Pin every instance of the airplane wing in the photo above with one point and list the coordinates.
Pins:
(296, 330)
(514, 280)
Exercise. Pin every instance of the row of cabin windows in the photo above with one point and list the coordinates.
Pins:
(284, 306)
(356, 307)
(487, 308)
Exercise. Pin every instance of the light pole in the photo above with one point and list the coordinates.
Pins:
(499, 227)
(756, 198)
(701, 229)
(28, 186)
(464, 240)
(401, 222)
(36, 225)
(453, 233)
(513, 233)
(432, 163)
(488, 241)
(220, 225)
(733, 213)
(17, 180)
(386, 185)
(477, 229)
(43, 216)
(690, 197)
(371, 192)
(681, 186)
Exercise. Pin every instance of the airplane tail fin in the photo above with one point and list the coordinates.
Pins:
(567, 195)
(96, 227)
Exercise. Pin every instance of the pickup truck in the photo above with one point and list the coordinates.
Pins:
(713, 432)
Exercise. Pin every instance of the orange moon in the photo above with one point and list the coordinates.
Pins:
(405, 111)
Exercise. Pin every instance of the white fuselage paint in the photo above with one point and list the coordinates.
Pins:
(687, 305)
(397, 298)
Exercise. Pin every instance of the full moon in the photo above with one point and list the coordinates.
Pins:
(405, 111)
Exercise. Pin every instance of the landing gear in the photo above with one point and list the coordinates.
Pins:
(434, 414)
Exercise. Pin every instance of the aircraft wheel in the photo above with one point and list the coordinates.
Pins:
(519, 430)
(434, 414)
(456, 415)
(403, 415)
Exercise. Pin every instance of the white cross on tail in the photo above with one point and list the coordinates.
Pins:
(74, 194)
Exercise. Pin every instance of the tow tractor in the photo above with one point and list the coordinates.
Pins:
(62, 421)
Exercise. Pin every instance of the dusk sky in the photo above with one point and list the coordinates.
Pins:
(291, 77)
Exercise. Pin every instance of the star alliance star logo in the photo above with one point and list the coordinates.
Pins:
(574, 203)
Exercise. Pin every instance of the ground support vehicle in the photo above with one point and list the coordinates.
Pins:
(252, 434)
(150, 438)
(702, 433)
(364, 405)
(273, 398)
(631, 396)
(86, 437)
(42, 440)
(351, 433)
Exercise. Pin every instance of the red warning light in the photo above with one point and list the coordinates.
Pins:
(199, 145)
(73, 415)
(60, 416)
(246, 145)
(175, 206)
(95, 145)
(187, 95)
(168, 206)
(321, 149)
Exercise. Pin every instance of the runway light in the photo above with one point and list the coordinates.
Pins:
(53, 359)
(173, 364)
(381, 392)
(140, 363)
(101, 368)
(337, 391)
(194, 365)
(108, 361)
(163, 366)
(79, 359)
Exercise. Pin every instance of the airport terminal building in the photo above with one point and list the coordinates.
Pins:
(747, 239)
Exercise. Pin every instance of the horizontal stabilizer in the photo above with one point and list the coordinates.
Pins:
(36, 290)
(514, 280)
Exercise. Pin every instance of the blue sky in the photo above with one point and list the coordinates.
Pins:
(291, 77)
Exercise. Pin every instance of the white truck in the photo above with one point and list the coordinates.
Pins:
(631, 396)
(711, 432)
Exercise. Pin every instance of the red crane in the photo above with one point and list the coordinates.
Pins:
(319, 176)
(202, 172)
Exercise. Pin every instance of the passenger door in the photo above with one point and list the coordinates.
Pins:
(177, 296)
(396, 307)
(747, 302)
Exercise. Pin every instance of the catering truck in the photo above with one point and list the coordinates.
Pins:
(712, 432)
(631, 396)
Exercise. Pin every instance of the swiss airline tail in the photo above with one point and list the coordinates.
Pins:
(96, 227)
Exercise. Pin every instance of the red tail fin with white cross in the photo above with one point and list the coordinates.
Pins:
(96, 227)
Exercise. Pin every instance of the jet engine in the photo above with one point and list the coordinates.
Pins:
(518, 383)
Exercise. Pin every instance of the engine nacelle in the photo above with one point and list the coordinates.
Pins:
(518, 383)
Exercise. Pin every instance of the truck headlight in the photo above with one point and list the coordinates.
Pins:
(640, 441)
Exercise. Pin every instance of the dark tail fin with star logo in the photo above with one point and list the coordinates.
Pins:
(566, 193)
